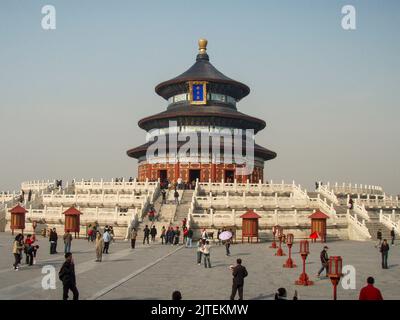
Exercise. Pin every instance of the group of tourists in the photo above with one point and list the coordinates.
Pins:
(26, 246)
(22, 196)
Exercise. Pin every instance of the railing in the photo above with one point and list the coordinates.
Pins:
(38, 185)
(379, 202)
(115, 185)
(360, 227)
(95, 199)
(324, 191)
(354, 188)
(249, 187)
(389, 220)
(360, 210)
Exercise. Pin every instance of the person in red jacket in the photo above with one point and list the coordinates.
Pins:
(369, 292)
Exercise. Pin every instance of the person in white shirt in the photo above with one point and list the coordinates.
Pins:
(206, 253)
(107, 239)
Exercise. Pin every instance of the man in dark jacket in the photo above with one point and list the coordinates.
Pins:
(146, 231)
(324, 261)
(53, 241)
(392, 235)
(67, 276)
(385, 252)
(153, 233)
(239, 273)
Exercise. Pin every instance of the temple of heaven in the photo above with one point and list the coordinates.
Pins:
(201, 135)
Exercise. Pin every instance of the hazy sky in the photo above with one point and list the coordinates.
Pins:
(70, 98)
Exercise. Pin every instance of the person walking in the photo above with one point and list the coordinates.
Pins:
(392, 235)
(227, 246)
(185, 233)
(239, 272)
(146, 232)
(163, 233)
(106, 239)
(369, 292)
(206, 253)
(18, 246)
(164, 196)
(67, 276)
(219, 240)
(379, 237)
(176, 196)
(189, 238)
(177, 234)
(199, 251)
(133, 236)
(324, 261)
(385, 252)
(53, 238)
(29, 195)
(67, 242)
(99, 247)
(153, 233)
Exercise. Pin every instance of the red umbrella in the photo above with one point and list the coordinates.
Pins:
(314, 235)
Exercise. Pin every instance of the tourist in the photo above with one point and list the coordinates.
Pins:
(171, 236)
(28, 249)
(281, 294)
(164, 196)
(133, 236)
(30, 196)
(351, 204)
(179, 181)
(185, 233)
(177, 233)
(199, 251)
(176, 295)
(324, 261)
(151, 214)
(189, 238)
(99, 247)
(146, 232)
(227, 246)
(107, 239)
(176, 196)
(112, 234)
(67, 276)
(219, 240)
(67, 241)
(369, 292)
(163, 234)
(18, 246)
(184, 223)
(385, 252)
(53, 238)
(379, 237)
(153, 233)
(392, 235)
(206, 254)
(239, 272)
(204, 236)
(89, 233)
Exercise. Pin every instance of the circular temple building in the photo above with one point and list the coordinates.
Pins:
(201, 135)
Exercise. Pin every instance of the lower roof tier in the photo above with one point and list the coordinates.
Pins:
(201, 116)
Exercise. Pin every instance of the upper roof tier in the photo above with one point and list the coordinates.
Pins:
(203, 70)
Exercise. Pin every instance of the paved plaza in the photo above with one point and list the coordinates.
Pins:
(154, 271)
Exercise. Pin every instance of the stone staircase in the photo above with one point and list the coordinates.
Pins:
(182, 209)
(374, 225)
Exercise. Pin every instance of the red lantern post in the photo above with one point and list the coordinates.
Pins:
(289, 241)
(279, 252)
(274, 230)
(335, 272)
(304, 251)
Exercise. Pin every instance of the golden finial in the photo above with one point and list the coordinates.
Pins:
(203, 46)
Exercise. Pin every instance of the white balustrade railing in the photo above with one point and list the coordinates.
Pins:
(360, 227)
(116, 185)
(324, 191)
(390, 221)
(353, 188)
(38, 185)
(360, 210)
